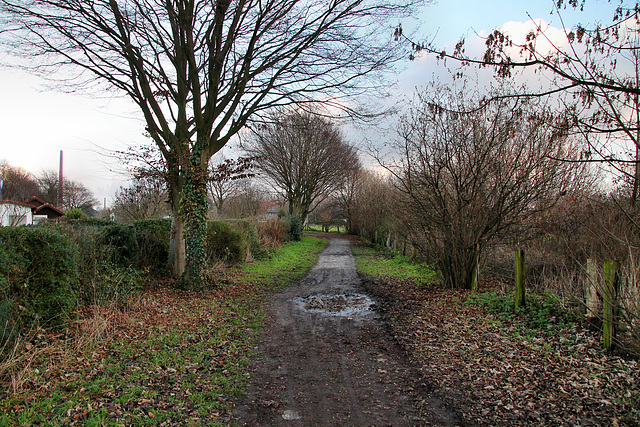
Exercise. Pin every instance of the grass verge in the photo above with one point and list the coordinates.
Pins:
(170, 358)
(373, 263)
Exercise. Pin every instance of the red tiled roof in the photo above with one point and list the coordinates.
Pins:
(6, 202)
(36, 201)
(35, 204)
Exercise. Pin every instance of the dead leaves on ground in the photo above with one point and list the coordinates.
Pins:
(167, 357)
(491, 373)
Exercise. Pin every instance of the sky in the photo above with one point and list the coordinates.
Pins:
(37, 123)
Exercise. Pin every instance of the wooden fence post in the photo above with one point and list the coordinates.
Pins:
(520, 279)
(609, 302)
(592, 300)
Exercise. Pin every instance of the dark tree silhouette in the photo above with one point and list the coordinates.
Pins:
(18, 184)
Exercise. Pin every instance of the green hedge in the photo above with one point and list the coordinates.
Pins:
(152, 237)
(122, 239)
(224, 243)
(231, 241)
(39, 270)
(106, 274)
(45, 271)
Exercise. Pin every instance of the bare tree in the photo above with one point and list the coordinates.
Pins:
(594, 70)
(48, 183)
(145, 198)
(18, 184)
(224, 179)
(372, 208)
(199, 70)
(469, 177)
(76, 195)
(346, 195)
(304, 156)
(246, 200)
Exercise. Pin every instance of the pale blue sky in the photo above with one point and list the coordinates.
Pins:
(449, 20)
(37, 124)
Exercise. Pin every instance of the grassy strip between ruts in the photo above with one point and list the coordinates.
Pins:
(167, 358)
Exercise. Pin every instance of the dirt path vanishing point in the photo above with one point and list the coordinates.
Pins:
(326, 358)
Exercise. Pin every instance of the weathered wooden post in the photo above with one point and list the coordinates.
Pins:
(592, 300)
(609, 301)
(520, 279)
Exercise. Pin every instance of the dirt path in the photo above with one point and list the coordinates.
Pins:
(326, 358)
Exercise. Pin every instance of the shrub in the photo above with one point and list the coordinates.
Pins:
(295, 228)
(251, 235)
(101, 278)
(543, 312)
(100, 222)
(38, 275)
(272, 233)
(153, 236)
(122, 239)
(75, 213)
(224, 243)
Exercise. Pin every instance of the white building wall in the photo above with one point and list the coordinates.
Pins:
(13, 214)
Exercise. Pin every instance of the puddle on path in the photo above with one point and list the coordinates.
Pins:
(343, 305)
(290, 415)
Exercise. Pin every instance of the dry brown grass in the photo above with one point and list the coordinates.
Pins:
(49, 350)
(272, 233)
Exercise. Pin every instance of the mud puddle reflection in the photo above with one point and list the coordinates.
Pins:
(343, 305)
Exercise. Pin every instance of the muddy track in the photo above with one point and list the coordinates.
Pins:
(326, 357)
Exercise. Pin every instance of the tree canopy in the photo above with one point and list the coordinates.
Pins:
(592, 68)
(199, 70)
(305, 157)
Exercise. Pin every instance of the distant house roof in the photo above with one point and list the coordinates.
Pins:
(36, 201)
(270, 207)
(40, 207)
(48, 210)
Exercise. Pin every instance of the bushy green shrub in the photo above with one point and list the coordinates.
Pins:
(75, 213)
(252, 238)
(38, 275)
(295, 228)
(224, 243)
(98, 222)
(153, 237)
(101, 279)
(122, 238)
